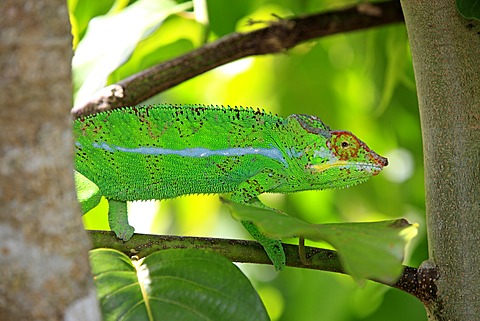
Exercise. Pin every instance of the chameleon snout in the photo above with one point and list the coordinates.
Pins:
(378, 160)
(383, 161)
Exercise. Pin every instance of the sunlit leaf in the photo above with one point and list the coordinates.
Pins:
(368, 250)
(173, 285)
(111, 39)
(82, 11)
(88, 193)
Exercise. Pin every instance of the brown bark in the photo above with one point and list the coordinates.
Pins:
(43, 247)
(446, 58)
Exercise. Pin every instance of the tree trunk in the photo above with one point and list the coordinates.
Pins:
(44, 266)
(446, 57)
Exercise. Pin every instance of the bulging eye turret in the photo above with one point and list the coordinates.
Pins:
(345, 145)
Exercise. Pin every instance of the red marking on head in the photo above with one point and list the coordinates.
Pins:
(345, 145)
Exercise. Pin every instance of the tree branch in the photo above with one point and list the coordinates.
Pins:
(417, 282)
(277, 37)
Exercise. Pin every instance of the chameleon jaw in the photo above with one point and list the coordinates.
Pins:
(375, 169)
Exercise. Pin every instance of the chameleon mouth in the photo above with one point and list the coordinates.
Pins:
(374, 169)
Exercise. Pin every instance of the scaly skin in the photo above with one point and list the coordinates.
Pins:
(164, 151)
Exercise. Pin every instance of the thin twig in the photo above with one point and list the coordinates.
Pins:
(279, 36)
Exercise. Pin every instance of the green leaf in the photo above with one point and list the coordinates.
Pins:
(177, 36)
(224, 15)
(173, 285)
(111, 39)
(82, 11)
(144, 58)
(88, 193)
(397, 56)
(470, 9)
(368, 250)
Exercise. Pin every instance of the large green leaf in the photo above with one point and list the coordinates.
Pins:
(173, 285)
(470, 9)
(111, 39)
(368, 250)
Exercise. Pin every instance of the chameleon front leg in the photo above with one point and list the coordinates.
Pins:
(89, 196)
(246, 194)
(118, 219)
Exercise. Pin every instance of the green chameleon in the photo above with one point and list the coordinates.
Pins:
(164, 151)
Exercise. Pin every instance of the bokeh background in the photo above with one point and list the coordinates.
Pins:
(361, 81)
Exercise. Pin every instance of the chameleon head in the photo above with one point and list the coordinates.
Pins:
(346, 160)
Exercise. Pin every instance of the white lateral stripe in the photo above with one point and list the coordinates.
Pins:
(273, 153)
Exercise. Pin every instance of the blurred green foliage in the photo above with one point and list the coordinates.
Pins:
(361, 81)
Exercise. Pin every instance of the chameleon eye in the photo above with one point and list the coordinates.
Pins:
(346, 145)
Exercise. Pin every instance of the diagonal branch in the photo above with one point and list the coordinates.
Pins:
(417, 282)
(277, 37)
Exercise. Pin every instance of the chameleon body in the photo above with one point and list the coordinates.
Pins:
(164, 151)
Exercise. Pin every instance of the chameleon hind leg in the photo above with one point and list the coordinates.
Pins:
(246, 194)
(89, 195)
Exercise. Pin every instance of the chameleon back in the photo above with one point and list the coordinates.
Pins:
(164, 151)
